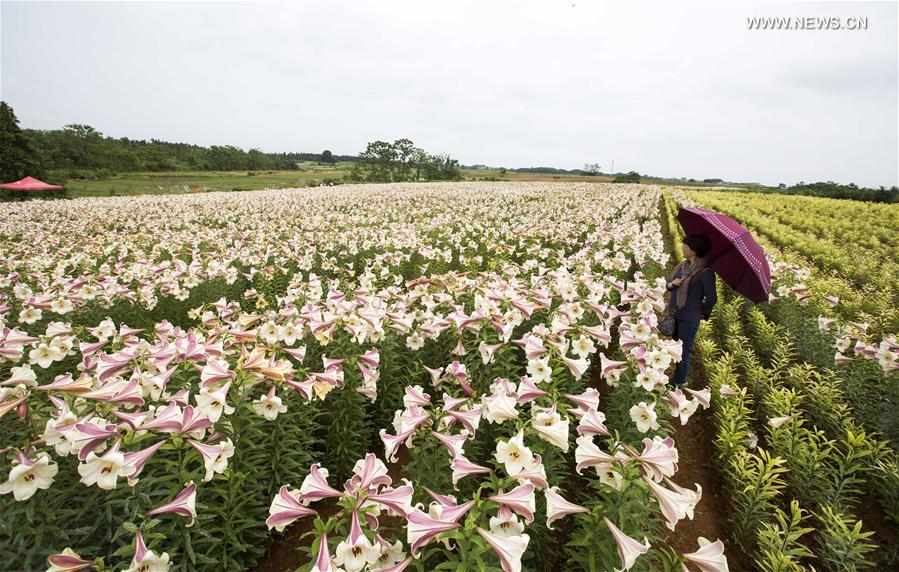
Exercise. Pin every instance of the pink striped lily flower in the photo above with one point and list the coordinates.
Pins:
(65, 384)
(166, 420)
(710, 556)
(147, 559)
(703, 396)
(588, 454)
(136, 460)
(534, 348)
(776, 422)
(421, 529)
(593, 423)
(528, 390)
(628, 548)
(184, 504)
(398, 501)
(557, 507)
(133, 420)
(93, 435)
(535, 473)
(369, 473)
(371, 358)
(298, 354)
(837, 358)
(446, 508)
(392, 443)
(285, 509)
(323, 559)
(673, 504)
(609, 365)
(110, 365)
(454, 443)
(585, 401)
(215, 371)
(415, 395)
(659, 458)
(521, 499)
(510, 549)
(462, 467)
(315, 486)
(193, 421)
(577, 367)
(451, 403)
(435, 374)
(68, 561)
(470, 419)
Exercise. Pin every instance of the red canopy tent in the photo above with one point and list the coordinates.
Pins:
(30, 184)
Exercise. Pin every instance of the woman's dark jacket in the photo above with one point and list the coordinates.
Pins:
(701, 296)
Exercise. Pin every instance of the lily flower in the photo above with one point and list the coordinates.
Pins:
(68, 561)
(776, 422)
(147, 560)
(645, 416)
(593, 423)
(315, 486)
(462, 467)
(528, 390)
(509, 549)
(29, 475)
(323, 559)
(104, 471)
(710, 556)
(398, 501)
(588, 454)
(521, 499)
(628, 548)
(585, 401)
(674, 504)
(136, 460)
(285, 509)
(557, 507)
(659, 458)
(421, 529)
(454, 443)
(184, 504)
(513, 454)
(551, 427)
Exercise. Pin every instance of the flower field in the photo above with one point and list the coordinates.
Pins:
(461, 376)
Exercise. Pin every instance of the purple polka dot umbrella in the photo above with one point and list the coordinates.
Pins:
(735, 256)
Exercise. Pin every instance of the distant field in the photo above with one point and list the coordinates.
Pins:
(180, 182)
(188, 181)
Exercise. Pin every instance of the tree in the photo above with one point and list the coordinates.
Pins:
(18, 158)
(591, 169)
(327, 157)
(632, 177)
(384, 162)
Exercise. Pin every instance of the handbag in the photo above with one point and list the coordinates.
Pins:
(667, 323)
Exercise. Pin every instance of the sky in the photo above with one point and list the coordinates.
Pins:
(668, 89)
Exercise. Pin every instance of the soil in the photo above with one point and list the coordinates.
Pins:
(696, 451)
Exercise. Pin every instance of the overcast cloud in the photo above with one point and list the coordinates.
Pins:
(672, 90)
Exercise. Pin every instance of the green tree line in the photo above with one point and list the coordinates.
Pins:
(80, 151)
(384, 162)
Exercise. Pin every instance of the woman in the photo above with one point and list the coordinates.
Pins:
(693, 296)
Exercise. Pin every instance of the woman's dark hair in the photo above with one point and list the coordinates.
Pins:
(698, 243)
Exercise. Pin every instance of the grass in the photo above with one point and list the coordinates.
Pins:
(179, 182)
(309, 173)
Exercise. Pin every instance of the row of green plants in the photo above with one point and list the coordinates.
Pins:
(861, 278)
(805, 298)
(825, 472)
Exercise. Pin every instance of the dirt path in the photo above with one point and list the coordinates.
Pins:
(695, 446)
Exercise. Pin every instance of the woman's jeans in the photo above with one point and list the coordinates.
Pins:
(685, 331)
